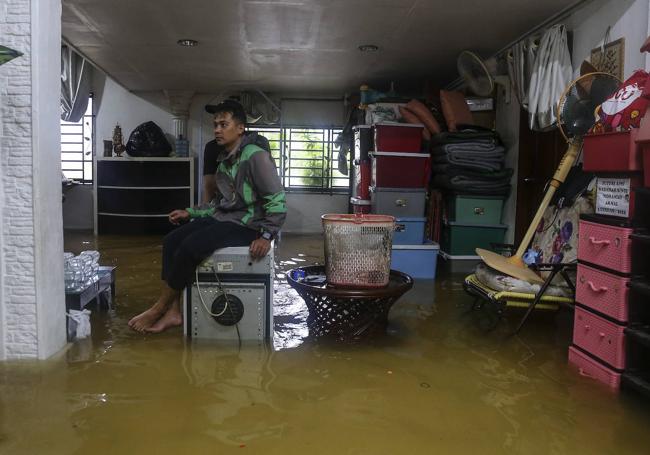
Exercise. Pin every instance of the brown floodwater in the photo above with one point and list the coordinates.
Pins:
(437, 382)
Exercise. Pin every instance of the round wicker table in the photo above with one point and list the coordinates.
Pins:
(346, 314)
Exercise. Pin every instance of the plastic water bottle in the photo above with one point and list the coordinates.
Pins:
(182, 147)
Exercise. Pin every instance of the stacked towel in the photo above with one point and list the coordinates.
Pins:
(470, 162)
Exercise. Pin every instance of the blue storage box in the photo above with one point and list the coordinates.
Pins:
(418, 261)
(409, 231)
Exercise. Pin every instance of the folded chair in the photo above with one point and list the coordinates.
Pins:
(555, 248)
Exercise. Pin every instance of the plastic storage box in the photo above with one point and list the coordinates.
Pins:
(409, 231)
(418, 261)
(603, 292)
(400, 170)
(606, 245)
(394, 137)
(462, 239)
(599, 337)
(474, 209)
(612, 152)
(593, 369)
(398, 202)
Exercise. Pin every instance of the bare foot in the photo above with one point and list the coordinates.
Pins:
(172, 318)
(145, 320)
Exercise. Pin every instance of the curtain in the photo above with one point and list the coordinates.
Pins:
(551, 76)
(75, 85)
(521, 61)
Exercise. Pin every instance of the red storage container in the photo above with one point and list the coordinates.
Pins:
(591, 368)
(400, 170)
(398, 137)
(599, 337)
(603, 292)
(605, 245)
(612, 152)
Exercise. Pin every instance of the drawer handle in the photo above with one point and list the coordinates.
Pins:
(401, 202)
(587, 327)
(400, 228)
(479, 211)
(584, 373)
(595, 289)
(598, 242)
(601, 334)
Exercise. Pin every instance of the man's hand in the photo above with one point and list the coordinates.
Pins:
(179, 216)
(259, 248)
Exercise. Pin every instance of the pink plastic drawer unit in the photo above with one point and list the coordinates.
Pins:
(603, 292)
(590, 368)
(612, 152)
(604, 245)
(398, 137)
(599, 337)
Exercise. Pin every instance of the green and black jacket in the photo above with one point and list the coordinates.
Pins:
(249, 191)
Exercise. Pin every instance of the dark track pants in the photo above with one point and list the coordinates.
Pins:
(187, 246)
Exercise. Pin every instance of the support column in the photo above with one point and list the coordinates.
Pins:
(32, 298)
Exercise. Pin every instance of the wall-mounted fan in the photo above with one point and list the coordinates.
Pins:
(576, 115)
(261, 107)
(482, 76)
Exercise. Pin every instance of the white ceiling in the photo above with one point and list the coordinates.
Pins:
(307, 46)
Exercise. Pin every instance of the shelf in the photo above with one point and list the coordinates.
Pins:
(639, 381)
(639, 333)
(144, 187)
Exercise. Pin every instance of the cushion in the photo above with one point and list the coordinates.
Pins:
(499, 282)
(425, 116)
(410, 117)
(455, 110)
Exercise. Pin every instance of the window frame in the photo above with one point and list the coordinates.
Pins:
(327, 158)
(87, 155)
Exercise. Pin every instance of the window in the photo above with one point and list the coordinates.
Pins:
(77, 147)
(310, 158)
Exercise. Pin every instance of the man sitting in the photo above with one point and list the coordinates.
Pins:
(249, 209)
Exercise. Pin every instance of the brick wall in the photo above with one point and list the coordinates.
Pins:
(18, 298)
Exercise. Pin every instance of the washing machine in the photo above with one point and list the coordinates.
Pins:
(231, 298)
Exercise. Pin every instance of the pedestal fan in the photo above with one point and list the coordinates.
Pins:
(575, 117)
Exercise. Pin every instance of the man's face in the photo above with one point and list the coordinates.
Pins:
(227, 130)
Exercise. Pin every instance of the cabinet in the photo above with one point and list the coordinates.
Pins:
(135, 195)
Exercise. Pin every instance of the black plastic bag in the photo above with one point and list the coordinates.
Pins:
(148, 140)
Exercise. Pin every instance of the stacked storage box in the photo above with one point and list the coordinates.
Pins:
(611, 336)
(399, 178)
(468, 167)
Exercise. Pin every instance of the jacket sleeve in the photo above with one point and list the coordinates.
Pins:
(267, 185)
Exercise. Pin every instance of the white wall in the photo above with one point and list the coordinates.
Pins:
(628, 19)
(112, 105)
(304, 211)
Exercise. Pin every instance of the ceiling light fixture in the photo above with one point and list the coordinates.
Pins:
(368, 48)
(187, 42)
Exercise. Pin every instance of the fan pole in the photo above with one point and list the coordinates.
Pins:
(515, 265)
(561, 172)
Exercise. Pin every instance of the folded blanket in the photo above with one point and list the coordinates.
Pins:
(479, 155)
(449, 169)
(470, 185)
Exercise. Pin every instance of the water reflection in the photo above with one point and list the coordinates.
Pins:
(435, 383)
